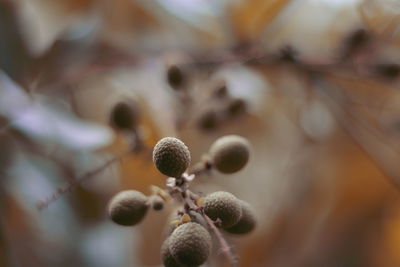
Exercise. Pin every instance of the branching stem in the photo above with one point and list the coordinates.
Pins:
(190, 205)
(71, 185)
(224, 244)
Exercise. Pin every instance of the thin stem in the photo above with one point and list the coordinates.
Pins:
(200, 169)
(71, 185)
(224, 244)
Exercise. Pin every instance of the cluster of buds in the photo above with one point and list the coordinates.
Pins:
(189, 242)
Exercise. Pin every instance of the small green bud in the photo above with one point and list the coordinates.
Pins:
(128, 207)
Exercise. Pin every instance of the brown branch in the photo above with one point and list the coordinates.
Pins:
(383, 154)
(71, 185)
(189, 204)
(224, 244)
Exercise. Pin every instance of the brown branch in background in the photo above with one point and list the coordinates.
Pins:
(71, 185)
(368, 139)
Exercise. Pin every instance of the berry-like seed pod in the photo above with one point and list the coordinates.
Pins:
(128, 207)
(288, 54)
(221, 92)
(224, 206)
(246, 223)
(388, 70)
(171, 156)
(230, 153)
(157, 203)
(124, 116)
(236, 106)
(190, 244)
(208, 120)
(175, 77)
(166, 256)
(355, 41)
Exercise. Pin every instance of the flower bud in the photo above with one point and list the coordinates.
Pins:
(230, 153)
(166, 256)
(175, 77)
(224, 206)
(171, 156)
(190, 244)
(157, 203)
(128, 207)
(247, 221)
(124, 116)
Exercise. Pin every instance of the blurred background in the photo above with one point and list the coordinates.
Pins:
(313, 84)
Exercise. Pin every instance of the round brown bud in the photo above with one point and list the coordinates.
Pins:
(190, 244)
(124, 116)
(157, 203)
(175, 77)
(230, 153)
(236, 106)
(388, 70)
(247, 222)
(166, 256)
(223, 206)
(208, 120)
(288, 54)
(128, 207)
(354, 42)
(221, 91)
(171, 156)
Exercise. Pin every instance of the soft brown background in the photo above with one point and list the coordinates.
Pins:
(324, 172)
